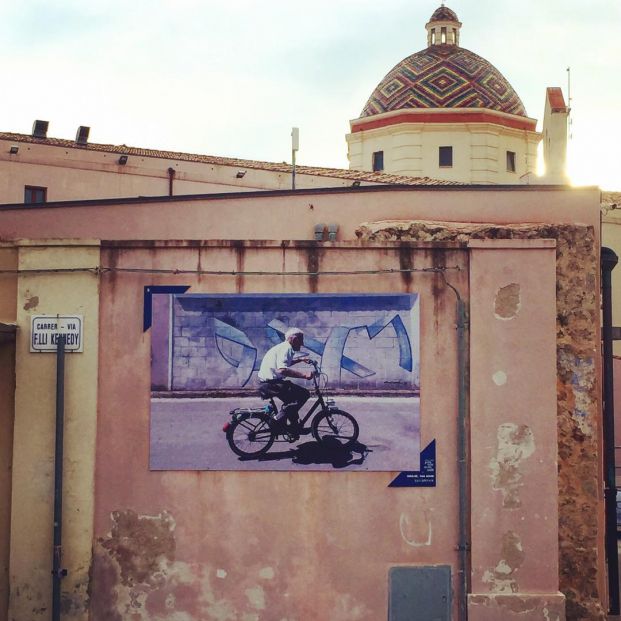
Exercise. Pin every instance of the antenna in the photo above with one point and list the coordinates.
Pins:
(569, 119)
(295, 146)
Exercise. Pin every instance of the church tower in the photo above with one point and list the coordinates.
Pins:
(445, 113)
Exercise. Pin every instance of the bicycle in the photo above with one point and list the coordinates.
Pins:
(251, 433)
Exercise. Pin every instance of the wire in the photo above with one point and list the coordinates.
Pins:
(139, 270)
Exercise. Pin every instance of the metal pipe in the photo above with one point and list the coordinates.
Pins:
(293, 169)
(608, 261)
(171, 177)
(462, 442)
(57, 572)
(463, 545)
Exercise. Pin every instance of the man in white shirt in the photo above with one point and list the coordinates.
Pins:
(276, 367)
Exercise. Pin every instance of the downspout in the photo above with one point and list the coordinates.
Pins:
(171, 177)
(608, 261)
(57, 572)
(463, 545)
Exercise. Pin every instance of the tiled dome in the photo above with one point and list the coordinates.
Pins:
(444, 76)
(442, 14)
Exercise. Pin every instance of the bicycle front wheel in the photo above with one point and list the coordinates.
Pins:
(250, 436)
(335, 426)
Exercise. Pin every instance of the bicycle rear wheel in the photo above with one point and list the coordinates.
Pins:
(335, 426)
(250, 436)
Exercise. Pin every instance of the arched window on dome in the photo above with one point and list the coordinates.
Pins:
(443, 34)
(433, 36)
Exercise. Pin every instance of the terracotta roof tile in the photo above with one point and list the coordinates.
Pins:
(339, 173)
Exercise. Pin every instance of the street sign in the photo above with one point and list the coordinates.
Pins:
(47, 328)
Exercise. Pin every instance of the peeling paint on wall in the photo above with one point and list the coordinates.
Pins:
(581, 571)
(139, 543)
(499, 378)
(31, 301)
(515, 444)
(502, 578)
(508, 302)
(137, 577)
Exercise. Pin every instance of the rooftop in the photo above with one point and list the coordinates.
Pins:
(339, 173)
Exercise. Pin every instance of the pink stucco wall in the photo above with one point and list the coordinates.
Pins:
(513, 409)
(307, 545)
(293, 215)
(319, 545)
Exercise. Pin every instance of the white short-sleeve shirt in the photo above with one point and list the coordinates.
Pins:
(278, 357)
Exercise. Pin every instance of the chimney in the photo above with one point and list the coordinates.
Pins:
(39, 129)
(81, 136)
(555, 136)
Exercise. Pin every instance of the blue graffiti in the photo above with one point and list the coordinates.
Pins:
(333, 358)
(237, 349)
(405, 347)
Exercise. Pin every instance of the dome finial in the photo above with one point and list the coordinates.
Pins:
(443, 27)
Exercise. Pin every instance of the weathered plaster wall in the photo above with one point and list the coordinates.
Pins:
(222, 522)
(7, 411)
(260, 545)
(514, 510)
(33, 459)
(8, 293)
(581, 560)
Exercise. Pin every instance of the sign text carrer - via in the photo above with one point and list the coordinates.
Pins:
(47, 329)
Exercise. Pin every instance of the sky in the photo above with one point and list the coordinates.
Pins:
(232, 78)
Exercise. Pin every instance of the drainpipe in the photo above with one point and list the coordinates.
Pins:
(171, 177)
(463, 545)
(608, 261)
(57, 572)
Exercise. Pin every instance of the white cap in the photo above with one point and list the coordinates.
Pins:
(291, 332)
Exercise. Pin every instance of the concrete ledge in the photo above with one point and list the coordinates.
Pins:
(522, 606)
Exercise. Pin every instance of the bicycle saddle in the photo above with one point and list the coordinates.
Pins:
(266, 391)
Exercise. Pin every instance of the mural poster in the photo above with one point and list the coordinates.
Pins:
(285, 382)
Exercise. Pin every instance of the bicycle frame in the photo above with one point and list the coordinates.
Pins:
(320, 402)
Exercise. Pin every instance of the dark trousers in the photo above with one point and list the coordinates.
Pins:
(293, 397)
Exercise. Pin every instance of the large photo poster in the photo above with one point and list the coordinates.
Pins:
(285, 382)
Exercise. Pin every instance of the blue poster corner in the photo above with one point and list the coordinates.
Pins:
(426, 476)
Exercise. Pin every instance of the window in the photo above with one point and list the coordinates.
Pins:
(378, 161)
(433, 36)
(443, 34)
(510, 161)
(445, 157)
(34, 194)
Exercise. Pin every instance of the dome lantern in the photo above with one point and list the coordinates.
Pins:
(443, 27)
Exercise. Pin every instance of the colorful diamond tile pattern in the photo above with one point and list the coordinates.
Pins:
(444, 77)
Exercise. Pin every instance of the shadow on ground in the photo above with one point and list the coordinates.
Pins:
(328, 452)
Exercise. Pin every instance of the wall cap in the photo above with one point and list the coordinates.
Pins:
(513, 244)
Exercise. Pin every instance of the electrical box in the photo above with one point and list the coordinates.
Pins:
(419, 593)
